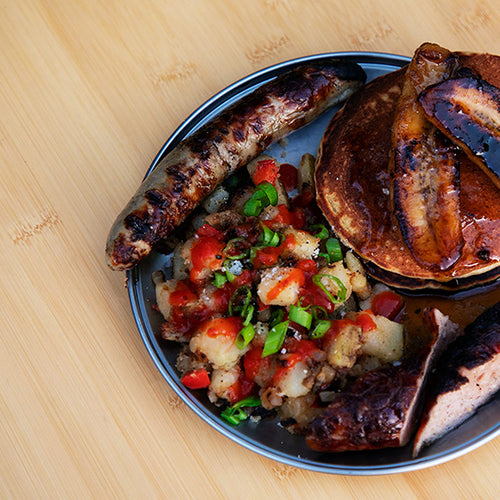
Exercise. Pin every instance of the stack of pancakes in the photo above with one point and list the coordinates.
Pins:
(354, 191)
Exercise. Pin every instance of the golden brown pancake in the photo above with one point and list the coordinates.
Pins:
(354, 191)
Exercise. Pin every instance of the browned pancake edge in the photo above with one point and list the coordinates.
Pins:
(354, 189)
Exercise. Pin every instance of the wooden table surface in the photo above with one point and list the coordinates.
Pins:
(89, 93)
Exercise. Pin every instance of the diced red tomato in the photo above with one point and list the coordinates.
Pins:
(221, 297)
(245, 278)
(182, 295)
(304, 199)
(254, 364)
(266, 257)
(307, 265)
(298, 218)
(206, 252)
(365, 321)
(196, 379)
(229, 327)
(288, 176)
(266, 171)
(283, 217)
(312, 295)
(241, 389)
(208, 230)
(387, 304)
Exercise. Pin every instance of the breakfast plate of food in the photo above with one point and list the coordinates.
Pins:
(312, 260)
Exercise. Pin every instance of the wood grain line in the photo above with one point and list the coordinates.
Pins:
(268, 49)
(24, 232)
(181, 72)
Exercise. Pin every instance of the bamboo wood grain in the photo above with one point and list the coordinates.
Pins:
(89, 92)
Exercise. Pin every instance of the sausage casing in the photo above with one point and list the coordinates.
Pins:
(199, 163)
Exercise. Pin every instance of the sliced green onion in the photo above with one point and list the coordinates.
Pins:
(268, 237)
(248, 314)
(275, 338)
(325, 255)
(333, 249)
(265, 194)
(233, 305)
(245, 336)
(270, 192)
(252, 207)
(276, 316)
(235, 414)
(232, 244)
(340, 298)
(230, 276)
(219, 280)
(316, 310)
(322, 231)
(320, 328)
(300, 316)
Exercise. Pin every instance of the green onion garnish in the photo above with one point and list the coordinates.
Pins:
(219, 280)
(316, 310)
(276, 316)
(234, 306)
(320, 328)
(230, 276)
(275, 338)
(340, 298)
(300, 316)
(265, 194)
(233, 245)
(235, 414)
(333, 249)
(248, 314)
(245, 336)
(268, 237)
(322, 231)
(270, 192)
(252, 207)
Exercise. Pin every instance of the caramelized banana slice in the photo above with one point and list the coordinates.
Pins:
(426, 191)
(467, 110)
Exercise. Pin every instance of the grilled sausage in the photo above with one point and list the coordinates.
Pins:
(381, 408)
(203, 160)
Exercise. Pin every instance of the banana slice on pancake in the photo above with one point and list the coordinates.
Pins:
(426, 190)
(467, 110)
(354, 186)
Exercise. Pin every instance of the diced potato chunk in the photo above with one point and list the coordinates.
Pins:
(221, 382)
(293, 382)
(305, 244)
(359, 283)
(386, 341)
(163, 290)
(219, 350)
(279, 286)
(338, 270)
(306, 173)
(345, 347)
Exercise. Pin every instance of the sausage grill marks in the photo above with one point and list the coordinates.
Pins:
(198, 164)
